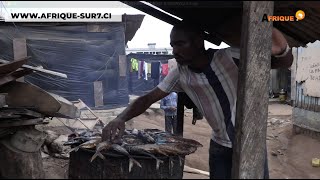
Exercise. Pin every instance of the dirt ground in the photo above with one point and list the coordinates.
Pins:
(289, 155)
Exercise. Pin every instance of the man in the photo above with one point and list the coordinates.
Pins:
(210, 79)
(169, 105)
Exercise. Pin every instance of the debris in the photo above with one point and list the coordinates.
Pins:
(44, 155)
(274, 153)
(51, 136)
(315, 162)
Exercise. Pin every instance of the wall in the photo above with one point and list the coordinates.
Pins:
(305, 82)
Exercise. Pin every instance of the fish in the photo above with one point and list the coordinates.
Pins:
(123, 151)
(137, 150)
(132, 140)
(88, 145)
(146, 137)
(152, 148)
(177, 148)
(105, 145)
(165, 138)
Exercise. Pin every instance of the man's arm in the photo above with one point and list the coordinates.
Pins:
(142, 103)
(279, 48)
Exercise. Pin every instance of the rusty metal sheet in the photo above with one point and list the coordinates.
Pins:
(10, 67)
(28, 96)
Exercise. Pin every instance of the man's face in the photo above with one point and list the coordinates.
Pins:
(185, 50)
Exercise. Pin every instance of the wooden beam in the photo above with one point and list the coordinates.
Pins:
(180, 113)
(252, 104)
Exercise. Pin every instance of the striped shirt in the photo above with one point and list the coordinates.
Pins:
(213, 91)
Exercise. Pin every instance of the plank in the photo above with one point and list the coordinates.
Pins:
(195, 171)
(19, 51)
(252, 104)
(14, 75)
(10, 66)
(30, 97)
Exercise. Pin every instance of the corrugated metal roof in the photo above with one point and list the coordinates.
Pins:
(222, 19)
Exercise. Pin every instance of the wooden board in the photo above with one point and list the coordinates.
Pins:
(67, 110)
(15, 75)
(19, 50)
(11, 66)
(252, 104)
(30, 97)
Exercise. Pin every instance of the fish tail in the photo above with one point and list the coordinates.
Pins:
(135, 162)
(130, 165)
(75, 149)
(158, 162)
(101, 156)
(94, 156)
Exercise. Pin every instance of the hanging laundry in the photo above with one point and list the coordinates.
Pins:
(149, 68)
(140, 70)
(134, 64)
(145, 68)
(155, 70)
(164, 69)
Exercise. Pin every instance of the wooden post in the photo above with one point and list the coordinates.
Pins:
(19, 51)
(98, 93)
(180, 113)
(252, 104)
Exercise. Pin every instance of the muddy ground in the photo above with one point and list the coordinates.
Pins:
(289, 155)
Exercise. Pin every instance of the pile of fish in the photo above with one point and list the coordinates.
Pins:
(148, 142)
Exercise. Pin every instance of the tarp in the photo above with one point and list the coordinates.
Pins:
(84, 56)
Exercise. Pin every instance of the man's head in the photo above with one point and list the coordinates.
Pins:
(187, 42)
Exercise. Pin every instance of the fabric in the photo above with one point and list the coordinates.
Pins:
(172, 63)
(145, 70)
(213, 90)
(165, 69)
(149, 68)
(134, 64)
(141, 70)
(220, 162)
(169, 101)
(155, 70)
(171, 124)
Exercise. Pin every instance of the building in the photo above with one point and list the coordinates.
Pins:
(150, 50)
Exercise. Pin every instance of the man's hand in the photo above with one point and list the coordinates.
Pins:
(113, 130)
(279, 42)
(173, 108)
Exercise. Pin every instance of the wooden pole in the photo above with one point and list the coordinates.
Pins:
(180, 113)
(252, 104)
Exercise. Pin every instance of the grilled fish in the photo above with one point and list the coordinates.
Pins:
(123, 151)
(89, 145)
(105, 145)
(137, 150)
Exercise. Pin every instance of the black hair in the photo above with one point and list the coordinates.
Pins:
(189, 27)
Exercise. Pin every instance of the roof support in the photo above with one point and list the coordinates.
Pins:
(252, 104)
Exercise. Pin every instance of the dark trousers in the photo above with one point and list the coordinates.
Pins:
(220, 162)
(171, 124)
